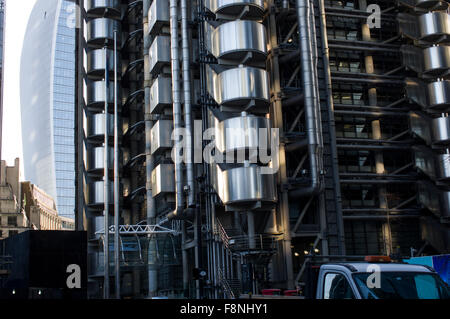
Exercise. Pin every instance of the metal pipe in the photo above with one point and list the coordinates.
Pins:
(106, 186)
(150, 162)
(116, 175)
(187, 102)
(176, 95)
(312, 104)
(251, 229)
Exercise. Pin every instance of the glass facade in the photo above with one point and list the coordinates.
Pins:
(48, 102)
(2, 54)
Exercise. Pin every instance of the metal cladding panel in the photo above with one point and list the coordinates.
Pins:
(162, 136)
(96, 62)
(234, 8)
(443, 166)
(96, 193)
(158, 16)
(244, 185)
(95, 158)
(101, 30)
(95, 93)
(441, 130)
(95, 125)
(160, 95)
(439, 94)
(159, 53)
(240, 86)
(242, 133)
(163, 179)
(437, 61)
(107, 8)
(419, 125)
(435, 27)
(236, 39)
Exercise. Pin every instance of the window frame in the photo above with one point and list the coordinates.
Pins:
(331, 272)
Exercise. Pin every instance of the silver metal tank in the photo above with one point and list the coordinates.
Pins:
(437, 61)
(232, 8)
(244, 185)
(236, 39)
(95, 126)
(95, 159)
(440, 128)
(95, 94)
(439, 95)
(101, 31)
(435, 27)
(240, 133)
(237, 87)
(95, 63)
(95, 193)
(103, 8)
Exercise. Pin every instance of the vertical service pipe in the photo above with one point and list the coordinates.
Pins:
(150, 162)
(187, 102)
(176, 94)
(106, 185)
(116, 175)
(312, 104)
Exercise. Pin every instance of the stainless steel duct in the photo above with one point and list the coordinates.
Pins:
(311, 101)
(149, 165)
(116, 174)
(176, 93)
(106, 188)
(187, 102)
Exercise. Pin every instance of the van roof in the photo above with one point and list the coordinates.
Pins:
(387, 267)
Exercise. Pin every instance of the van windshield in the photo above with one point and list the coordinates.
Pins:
(401, 285)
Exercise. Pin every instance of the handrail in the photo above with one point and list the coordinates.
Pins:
(225, 283)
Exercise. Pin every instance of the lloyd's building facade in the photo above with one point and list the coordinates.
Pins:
(361, 166)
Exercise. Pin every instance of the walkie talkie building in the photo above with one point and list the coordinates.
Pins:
(350, 96)
(47, 82)
(2, 62)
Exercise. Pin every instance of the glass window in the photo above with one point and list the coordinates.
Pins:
(336, 286)
(404, 285)
(12, 221)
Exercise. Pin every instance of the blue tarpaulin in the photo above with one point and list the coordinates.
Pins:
(440, 263)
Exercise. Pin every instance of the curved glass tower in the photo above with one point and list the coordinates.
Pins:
(48, 102)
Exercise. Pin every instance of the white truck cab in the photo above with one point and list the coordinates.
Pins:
(379, 280)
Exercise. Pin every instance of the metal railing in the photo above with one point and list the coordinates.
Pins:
(264, 242)
(225, 284)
